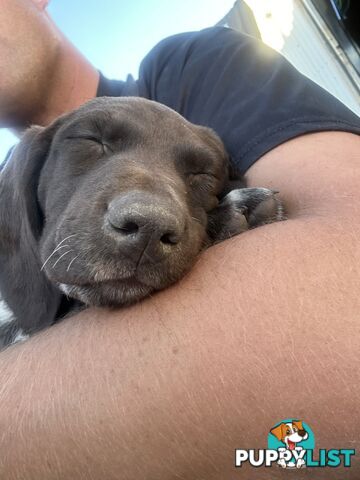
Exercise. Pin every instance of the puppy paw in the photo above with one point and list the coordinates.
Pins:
(244, 208)
(282, 463)
(300, 463)
(259, 205)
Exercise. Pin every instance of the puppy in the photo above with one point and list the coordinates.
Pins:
(290, 433)
(111, 202)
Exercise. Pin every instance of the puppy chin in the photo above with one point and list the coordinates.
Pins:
(115, 285)
(108, 294)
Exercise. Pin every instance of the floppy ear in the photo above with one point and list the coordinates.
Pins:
(299, 424)
(277, 431)
(25, 289)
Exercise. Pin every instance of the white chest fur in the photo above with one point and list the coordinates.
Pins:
(6, 315)
(6, 318)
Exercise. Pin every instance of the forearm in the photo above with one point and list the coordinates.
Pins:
(171, 386)
(175, 384)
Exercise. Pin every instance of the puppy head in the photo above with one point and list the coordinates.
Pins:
(114, 196)
(290, 433)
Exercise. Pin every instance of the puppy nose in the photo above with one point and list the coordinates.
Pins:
(144, 222)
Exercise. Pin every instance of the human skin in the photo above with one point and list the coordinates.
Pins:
(265, 327)
(42, 75)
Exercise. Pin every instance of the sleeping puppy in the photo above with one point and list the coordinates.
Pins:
(111, 202)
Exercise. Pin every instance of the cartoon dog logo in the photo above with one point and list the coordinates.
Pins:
(290, 433)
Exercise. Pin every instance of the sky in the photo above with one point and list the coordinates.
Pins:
(116, 34)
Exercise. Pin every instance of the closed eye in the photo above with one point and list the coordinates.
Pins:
(208, 174)
(202, 181)
(91, 138)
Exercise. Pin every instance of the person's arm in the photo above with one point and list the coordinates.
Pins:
(42, 75)
(264, 328)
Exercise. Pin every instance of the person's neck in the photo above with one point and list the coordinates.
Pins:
(74, 81)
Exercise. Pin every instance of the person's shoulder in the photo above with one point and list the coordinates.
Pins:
(212, 34)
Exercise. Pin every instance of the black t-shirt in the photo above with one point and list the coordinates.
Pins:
(249, 94)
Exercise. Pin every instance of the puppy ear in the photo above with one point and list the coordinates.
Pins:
(299, 424)
(25, 289)
(233, 178)
(277, 431)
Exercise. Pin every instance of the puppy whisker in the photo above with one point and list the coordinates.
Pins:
(71, 262)
(58, 247)
(49, 257)
(61, 256)
(62, 241)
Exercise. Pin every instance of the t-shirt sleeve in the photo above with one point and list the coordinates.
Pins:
(248, 93)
